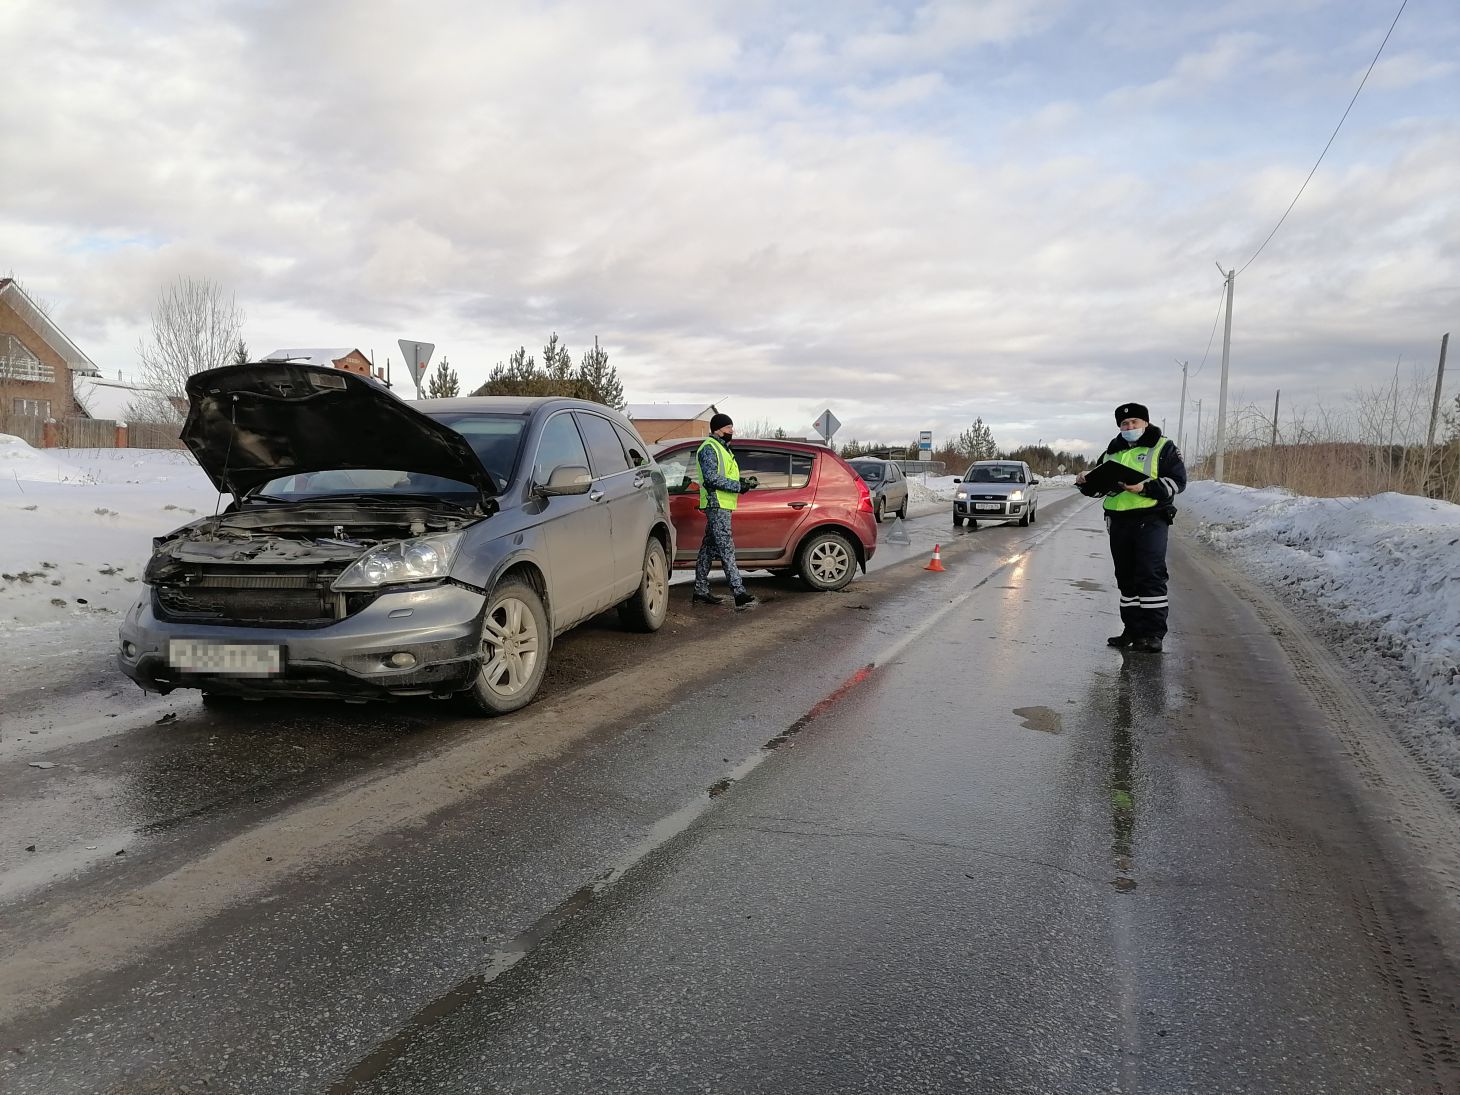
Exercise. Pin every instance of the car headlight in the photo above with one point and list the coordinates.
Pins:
(963, 496)
(1015, 495)
(417, 560)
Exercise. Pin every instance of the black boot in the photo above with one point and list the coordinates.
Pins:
(1146, 644)
(706, 599)
(1122, 640)
(745, 600)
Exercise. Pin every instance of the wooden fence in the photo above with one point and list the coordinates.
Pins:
(90, 433)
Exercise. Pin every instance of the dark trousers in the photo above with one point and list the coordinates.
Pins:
(717, 543)
(1138, 547)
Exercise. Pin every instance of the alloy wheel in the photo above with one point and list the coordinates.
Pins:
(830, 560)
(510, 647)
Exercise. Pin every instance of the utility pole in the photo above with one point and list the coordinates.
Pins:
(1435, 410)
(1231, 276)
(1275, 400)
(1198, 431)
(1181, 416)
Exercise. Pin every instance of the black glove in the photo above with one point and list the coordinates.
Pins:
(748, 484)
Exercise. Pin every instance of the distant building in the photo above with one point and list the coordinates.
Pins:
(124, 400)
(341, 357)
(37, 360)
(669, 421)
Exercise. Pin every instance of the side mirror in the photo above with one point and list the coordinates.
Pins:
(957, 480)
(1034, 482)
(567, 479)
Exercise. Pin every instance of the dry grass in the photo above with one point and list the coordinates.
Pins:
(1344, 469)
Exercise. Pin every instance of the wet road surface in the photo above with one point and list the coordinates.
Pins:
(926, 835)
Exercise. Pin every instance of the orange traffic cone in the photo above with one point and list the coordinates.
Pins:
(937, 563)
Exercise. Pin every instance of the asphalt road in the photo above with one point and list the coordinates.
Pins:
(929, 834)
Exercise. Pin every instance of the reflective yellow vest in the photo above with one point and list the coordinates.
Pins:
(728, 468)
(1144, 458)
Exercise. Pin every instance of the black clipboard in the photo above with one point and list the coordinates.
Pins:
(1111, 475)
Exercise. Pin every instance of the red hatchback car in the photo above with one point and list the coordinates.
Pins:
(810, 515)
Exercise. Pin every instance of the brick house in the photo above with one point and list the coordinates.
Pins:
(38, 363)
(670, 421)
(341, 357)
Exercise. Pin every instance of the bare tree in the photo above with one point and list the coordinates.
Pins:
(195, 326)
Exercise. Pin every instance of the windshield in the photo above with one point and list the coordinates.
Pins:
(495, 438)
(1000, 473)
(870, 473)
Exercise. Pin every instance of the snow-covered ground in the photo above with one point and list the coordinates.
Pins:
(76, 529)
(1384, 572)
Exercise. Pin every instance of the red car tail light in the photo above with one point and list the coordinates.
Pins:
(864, 504)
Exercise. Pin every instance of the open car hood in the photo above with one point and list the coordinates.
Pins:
(248, 424)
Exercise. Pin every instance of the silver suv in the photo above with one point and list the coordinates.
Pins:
(376, 548)
(996, 490)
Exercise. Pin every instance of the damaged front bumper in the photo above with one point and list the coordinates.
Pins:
(435, 631)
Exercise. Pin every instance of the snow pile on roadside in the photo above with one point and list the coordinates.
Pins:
(78, 528)
(937, 488)
(20, 462)
(1390, 563)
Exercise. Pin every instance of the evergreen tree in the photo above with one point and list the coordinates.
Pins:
(443, 383)
(240, 353)
(598, 380)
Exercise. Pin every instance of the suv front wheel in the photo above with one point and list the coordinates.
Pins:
(826, 561)
(514, 649)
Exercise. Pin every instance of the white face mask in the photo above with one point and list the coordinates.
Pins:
(1132, 436)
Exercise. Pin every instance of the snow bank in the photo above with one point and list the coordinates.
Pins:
(76, 529)
(1390, 562)
(21, 463)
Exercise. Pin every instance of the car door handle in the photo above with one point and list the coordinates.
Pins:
(595, 496)
(798, 505)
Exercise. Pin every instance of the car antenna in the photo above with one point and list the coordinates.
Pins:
(228, 451)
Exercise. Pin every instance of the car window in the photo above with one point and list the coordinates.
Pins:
(637, 451)
(774, 470)
(558, 446)
(681, 471)
(870, 473)
(603, 444)
(495, 438)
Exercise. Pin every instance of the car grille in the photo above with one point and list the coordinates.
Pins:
(255, 600)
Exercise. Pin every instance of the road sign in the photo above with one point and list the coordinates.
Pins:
(827, 425)
(417, 356)
(925, 445)
(1061, 469)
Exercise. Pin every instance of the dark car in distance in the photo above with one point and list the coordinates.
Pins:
(810, 515)
(887, 482)
(376, 548)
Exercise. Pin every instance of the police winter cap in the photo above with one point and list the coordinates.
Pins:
(720, 421)
(1131, 410)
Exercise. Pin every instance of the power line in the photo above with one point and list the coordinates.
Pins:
(1221, 299)
(1331, 137)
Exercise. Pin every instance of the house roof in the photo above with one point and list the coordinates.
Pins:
(318, 355)
(42, 324)
(669, 412)
(107, 399)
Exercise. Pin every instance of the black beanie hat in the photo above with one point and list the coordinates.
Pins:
(720, 421)
(1131, 410)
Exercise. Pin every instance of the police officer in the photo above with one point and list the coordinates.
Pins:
(720, 489)
(1139, 517)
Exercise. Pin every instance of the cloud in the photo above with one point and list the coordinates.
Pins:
(1402, 70)
(865, 212)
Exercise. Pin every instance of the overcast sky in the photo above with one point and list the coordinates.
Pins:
(911, 213)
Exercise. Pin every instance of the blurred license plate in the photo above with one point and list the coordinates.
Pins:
(988, 505)
(229, 659)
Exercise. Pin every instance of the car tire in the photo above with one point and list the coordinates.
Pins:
(1034, 515)
(647, 609)
(957, 521)
(826, 561)
(1025, 518)
(510, 678)
(877, 508)
(902, 510)
(221, 701)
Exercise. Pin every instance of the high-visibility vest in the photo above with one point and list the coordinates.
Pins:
(1144, 458)
(726, 500)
